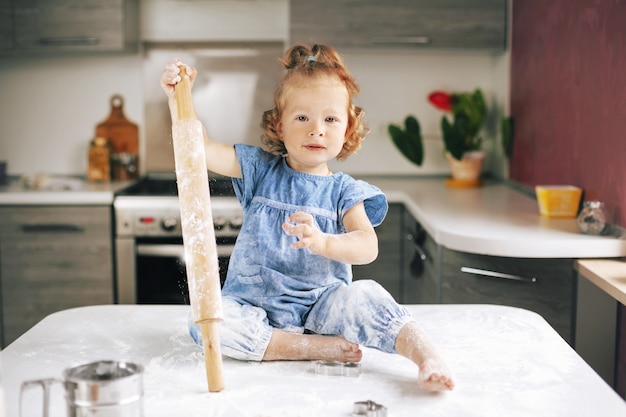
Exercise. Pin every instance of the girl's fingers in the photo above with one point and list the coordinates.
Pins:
(301, 217)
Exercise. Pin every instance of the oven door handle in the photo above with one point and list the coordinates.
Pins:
(176, 251)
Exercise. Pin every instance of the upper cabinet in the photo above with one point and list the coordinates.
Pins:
(214, 21)
(6, 25)
(70, 26)
(462, 24)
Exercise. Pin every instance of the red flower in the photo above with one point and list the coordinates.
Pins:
(441, 100)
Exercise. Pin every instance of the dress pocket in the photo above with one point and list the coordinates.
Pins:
(249, 283)
(250, 279)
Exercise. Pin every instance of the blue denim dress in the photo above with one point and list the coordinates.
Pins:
(272, 285)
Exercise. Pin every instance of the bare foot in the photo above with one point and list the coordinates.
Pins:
(296, 346)
(413, 343)
(434, 376)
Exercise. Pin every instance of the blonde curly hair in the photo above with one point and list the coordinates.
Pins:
(300, 61)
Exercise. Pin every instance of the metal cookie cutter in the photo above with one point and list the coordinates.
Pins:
(334, 368)
(369, 409)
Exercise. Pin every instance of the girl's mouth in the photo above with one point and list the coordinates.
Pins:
(314, 147)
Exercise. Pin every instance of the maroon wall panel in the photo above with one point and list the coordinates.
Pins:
(568, 97)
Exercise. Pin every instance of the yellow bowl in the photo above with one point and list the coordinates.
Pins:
(558, 201)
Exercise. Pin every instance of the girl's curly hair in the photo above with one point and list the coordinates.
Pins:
(300, 61)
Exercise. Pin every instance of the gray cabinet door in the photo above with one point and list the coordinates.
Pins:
(386, 268)
(54, 26)
(6, 25)
(421, 265)
(51, 259)
(479, 24)
(545, 286)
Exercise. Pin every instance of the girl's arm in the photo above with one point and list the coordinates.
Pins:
(358, 246)
(220, 158)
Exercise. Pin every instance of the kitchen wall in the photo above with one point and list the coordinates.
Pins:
(56, 103)
(53, 105)
(568, 97)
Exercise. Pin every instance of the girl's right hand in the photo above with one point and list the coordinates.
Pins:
(171, 76)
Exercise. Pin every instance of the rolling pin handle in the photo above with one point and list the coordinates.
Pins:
(212, 355)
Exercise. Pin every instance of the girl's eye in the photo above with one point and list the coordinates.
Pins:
(301, 118)
(331, 119)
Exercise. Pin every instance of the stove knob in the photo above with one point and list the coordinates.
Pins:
(236, 223)
(169, 224)
(219, 223)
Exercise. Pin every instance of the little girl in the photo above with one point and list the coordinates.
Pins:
(289, 293)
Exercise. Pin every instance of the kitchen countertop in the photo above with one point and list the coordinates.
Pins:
(607, 274)
(493, 219)
(506, 361)
(79, 192)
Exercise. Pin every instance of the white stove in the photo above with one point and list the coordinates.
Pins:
(148, 238)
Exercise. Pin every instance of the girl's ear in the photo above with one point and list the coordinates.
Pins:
(278, 126)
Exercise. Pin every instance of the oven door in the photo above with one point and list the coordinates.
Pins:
(161, 277)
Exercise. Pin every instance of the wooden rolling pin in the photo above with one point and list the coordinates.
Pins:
(198, 234)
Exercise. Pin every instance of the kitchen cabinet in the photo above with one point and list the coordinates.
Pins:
(408, 259)
(214, 21)
(420, 265)
(69, 26)
(474, 24)
(6, 25)
(52, 258)
(386, 268)
(415, 269)
(545, 286)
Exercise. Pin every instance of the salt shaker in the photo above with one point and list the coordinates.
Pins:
(592, 219)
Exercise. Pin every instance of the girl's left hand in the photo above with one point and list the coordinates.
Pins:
(302, 225)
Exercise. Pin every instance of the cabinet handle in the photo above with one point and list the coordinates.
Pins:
(176, 251)
(416, 267)
(493, 274)
(400, 40)
(81, 40)
(52, 228)
(420, 251)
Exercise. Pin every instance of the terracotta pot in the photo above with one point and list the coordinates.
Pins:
(469, 167)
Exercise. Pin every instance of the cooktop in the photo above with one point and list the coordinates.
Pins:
(164, 184)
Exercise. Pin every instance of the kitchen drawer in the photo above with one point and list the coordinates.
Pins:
(420, 283)
(386, 268)
(545, 286)
(52, 259)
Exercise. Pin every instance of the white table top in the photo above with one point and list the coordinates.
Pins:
(507, 362)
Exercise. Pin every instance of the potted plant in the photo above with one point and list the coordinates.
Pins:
(461, 138)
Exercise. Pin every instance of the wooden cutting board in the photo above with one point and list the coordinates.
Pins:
(123, 134)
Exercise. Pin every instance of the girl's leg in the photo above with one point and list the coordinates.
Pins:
(245, 334)
(244, 331)
(297, 346)
(365, 313)
(413, 343)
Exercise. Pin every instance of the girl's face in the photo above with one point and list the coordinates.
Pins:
(313, 123)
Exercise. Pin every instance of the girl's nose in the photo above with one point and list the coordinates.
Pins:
(316, 130)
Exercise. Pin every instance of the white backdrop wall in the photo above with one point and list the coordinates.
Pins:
(52, 105)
